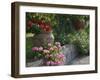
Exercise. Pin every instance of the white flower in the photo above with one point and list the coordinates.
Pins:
(49, 44)
(46, 51)
(57, 43)
(51, 49)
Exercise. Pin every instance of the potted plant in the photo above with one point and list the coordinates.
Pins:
(42, 32)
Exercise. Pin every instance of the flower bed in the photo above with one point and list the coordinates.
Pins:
(51, 54)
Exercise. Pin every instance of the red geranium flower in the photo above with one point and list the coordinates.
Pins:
(48, 29)
(45, 27)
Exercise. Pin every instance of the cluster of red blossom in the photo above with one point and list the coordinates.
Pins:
(46, 27)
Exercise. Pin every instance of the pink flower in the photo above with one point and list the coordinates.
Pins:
(35, 49)
(48, 63)
(55, 47)
(58, 62)
(50, 55)
(60, 55)
(40, 48)
(52, 63)
(46, 51)
(59, 46)
(61, 62)
(51, 49)
(49, 45)
(57, 43)
(47, 55)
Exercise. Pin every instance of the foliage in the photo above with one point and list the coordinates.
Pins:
(78, 17)
(80, 39)
(29, 54)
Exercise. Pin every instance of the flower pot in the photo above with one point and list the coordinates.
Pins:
(43, 39)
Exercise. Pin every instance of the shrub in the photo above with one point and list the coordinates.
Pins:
(80, 39)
